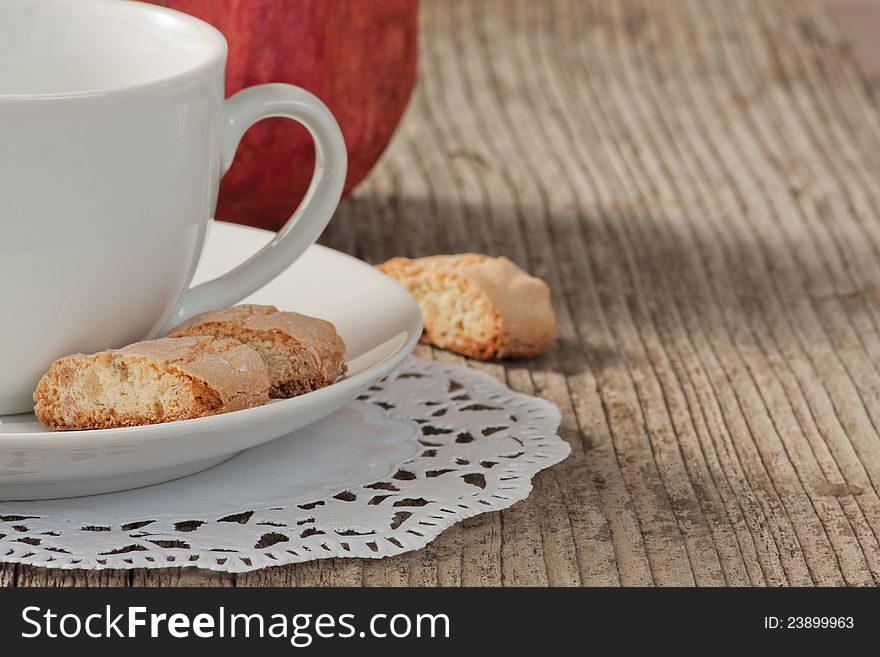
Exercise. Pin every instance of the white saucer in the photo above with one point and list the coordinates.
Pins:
(378, 320)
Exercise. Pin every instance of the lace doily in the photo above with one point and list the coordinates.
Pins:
(427, 447)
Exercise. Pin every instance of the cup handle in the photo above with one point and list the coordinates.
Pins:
(240, 112)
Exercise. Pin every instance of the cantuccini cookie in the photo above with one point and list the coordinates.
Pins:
(151, 382)
(302, 353)
(477, 305)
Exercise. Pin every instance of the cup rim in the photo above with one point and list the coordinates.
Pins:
(212, 34)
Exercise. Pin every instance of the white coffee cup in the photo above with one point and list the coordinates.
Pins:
(114, 134)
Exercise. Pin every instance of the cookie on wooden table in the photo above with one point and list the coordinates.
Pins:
(302, 353)
(477, 305)
(151, 382)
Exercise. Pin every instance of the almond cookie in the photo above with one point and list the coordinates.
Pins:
(151, 382)
(478, 305)
(302, 353)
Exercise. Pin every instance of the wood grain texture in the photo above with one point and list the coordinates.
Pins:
(697, 181)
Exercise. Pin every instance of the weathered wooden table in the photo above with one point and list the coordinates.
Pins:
(697, 181)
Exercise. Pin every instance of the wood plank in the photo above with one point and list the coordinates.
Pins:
(180, 577)
(33, 576)
(7, 575)
(858, 21)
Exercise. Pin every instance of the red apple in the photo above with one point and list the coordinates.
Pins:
(358, 56)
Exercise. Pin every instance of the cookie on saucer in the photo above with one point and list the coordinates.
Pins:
(151, 382)
(302, 353)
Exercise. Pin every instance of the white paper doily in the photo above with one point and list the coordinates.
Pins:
(427, 447)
